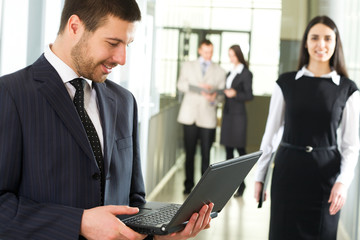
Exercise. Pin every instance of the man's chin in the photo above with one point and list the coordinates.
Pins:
(100, 79)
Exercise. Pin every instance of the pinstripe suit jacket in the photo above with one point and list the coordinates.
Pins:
(48, 173)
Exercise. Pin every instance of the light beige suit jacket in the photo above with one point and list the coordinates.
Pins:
(195, 108)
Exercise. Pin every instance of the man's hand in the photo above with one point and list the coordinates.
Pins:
(337, 198)
(205, 86)
(102, 223)
(209, 96)
(198, 222)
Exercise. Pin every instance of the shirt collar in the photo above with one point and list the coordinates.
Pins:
(238, 69)
(305, 72)
(65, 72)
(202, 60)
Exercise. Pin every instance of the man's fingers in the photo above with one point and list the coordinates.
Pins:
(203, 219)
(122, 210)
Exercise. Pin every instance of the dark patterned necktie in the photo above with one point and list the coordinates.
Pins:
(79, 84)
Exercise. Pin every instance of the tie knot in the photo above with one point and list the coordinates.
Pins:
(78, 83)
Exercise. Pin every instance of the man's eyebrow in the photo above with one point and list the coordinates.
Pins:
(115, 39)
(119, 40)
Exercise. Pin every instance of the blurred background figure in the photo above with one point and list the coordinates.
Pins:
(234, 120)
(314, 164)
(199, 80)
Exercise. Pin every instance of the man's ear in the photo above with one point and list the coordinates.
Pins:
(75, 26)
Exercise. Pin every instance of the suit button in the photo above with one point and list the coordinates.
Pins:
(96, 176)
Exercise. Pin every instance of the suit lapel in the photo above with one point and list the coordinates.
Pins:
(107, 105)
(197, 70)
(53, 89)
(236, 81)
(210, 70)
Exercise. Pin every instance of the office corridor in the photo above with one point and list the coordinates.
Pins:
(239, 220)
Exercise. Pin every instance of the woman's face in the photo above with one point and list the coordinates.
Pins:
(233, 58)
(320, 43)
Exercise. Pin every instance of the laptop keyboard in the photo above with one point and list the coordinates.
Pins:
(162, 215)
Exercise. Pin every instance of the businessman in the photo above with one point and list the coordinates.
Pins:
(69, 153)
(198, 109)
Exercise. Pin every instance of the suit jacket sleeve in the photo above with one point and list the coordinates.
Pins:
(183, 81)
(244, 90)
(137, 191)
(22, 218)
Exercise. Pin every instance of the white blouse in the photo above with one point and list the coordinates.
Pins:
(348, 132)
(236, 70)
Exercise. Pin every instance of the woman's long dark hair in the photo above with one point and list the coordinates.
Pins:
(239, 55)
(337, 61)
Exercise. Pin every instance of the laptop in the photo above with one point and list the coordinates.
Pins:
(217, 185)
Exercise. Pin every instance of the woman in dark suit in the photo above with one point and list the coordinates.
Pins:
(238, 91)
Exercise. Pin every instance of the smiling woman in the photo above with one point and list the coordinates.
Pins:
(312, 105)
(170, 36)
(321, 42)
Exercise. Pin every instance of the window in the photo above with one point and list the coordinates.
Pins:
(181, 24)
(14, 23)
(52, 20)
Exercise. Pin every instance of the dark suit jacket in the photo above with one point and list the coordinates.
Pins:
(47, 168)
(234, 121)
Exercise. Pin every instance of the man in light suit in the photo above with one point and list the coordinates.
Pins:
(53, 185)
(199, 81)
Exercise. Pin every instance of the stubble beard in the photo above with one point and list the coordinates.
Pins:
(84, 64)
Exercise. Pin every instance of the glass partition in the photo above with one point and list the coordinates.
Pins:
(225, 23)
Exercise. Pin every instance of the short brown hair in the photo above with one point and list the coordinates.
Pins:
(205, 42)
(94, 13)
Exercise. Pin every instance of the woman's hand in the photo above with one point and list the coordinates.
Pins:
(230, 93)
(337, 197)
(258, 187)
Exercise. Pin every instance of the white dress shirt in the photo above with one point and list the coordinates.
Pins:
(204, 64)
(348, 132)
(90, 99)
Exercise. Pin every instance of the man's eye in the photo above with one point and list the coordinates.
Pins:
(113, 44)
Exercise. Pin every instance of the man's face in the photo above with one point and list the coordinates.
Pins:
(206, 52)
(96, 53)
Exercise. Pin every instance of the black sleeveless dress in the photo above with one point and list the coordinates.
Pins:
(302, 181)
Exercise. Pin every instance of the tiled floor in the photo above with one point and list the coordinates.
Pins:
(239, 220)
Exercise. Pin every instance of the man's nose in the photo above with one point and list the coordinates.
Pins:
(120, 55)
